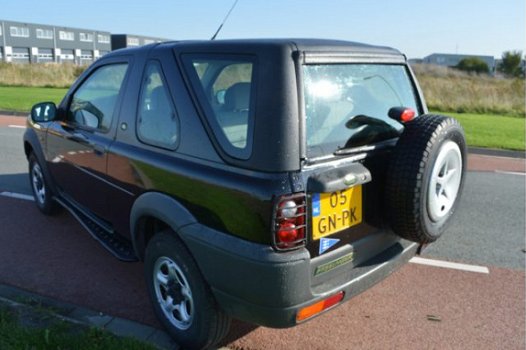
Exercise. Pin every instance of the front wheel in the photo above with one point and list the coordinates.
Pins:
(181, 298)
(40, 187)
(425, 177)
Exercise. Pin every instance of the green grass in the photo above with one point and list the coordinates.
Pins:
(492, 131)
(58, 336)
(482, 130)
(21, 99)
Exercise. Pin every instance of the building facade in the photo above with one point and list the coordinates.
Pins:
(451, 60)
(120, 41)
(38, 43)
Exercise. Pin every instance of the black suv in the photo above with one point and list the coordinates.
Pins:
(266, 180)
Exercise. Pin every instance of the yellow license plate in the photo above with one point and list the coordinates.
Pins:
(336, 211)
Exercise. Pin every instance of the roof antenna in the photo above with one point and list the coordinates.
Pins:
(224, 20)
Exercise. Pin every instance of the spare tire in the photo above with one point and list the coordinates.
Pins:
(425, 177)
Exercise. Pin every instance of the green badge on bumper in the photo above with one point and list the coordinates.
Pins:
(334, 264)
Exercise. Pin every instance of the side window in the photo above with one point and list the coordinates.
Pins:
(94, 102)
(157, 122)
(225, 86)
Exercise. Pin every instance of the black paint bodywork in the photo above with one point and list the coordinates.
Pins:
(221, 206)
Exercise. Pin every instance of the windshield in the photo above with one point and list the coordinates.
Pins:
(346, 105)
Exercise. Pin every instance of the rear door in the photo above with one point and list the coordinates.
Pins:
(78, 143)
(348, 136)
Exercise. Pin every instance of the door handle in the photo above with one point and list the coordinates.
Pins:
(76, 137)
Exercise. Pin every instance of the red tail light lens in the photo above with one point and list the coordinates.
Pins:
(289, 222)
(407, 115)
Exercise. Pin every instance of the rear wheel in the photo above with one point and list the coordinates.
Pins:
(40, 187)
(426, 177)
(181, 298)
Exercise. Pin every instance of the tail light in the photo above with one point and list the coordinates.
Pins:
(289, 222)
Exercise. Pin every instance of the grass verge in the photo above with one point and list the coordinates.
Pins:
(21, 99)
(492, 131)
(18, 332)
(482, 130)
(447, 89)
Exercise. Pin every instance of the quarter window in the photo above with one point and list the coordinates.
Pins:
(157, 121)
(225, 87)
(93, 104)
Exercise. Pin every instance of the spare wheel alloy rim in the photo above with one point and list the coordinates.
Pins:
(445, 181)
(173, 293)
(39, 186)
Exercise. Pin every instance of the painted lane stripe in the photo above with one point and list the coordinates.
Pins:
(509, 172)
(17, 195)
(449, 265)
(16, 126)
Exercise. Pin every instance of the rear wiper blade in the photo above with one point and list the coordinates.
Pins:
(367, 148)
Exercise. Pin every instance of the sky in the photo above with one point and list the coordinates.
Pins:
(415, 27)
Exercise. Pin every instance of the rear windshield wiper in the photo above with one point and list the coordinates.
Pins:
(367, 148)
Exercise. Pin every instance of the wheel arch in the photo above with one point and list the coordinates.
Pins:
(32, 145)
(151, 213)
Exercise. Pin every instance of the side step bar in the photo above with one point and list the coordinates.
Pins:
(117, 245)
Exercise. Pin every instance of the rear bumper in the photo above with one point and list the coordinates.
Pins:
(253, 283)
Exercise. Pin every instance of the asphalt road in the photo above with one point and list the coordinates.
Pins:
(417, 307)
(488, 229)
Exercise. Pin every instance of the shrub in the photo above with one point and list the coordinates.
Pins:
(473, 65)
(451, 90)
(39, 75)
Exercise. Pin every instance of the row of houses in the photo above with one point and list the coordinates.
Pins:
(39, 43)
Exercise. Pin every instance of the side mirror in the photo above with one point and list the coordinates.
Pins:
(43, 112)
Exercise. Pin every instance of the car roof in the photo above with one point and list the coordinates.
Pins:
(292, 44)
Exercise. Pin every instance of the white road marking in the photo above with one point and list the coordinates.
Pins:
(16, 126)
(449, 265)
(17, 195)
(509, 172)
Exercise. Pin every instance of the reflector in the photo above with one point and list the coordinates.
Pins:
(314, 309)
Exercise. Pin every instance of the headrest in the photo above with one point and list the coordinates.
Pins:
(237, 97)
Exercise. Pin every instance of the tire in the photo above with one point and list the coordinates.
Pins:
(40, 187)
(426, 177)
(196, 322)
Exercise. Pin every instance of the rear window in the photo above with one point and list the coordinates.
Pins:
(225, 88)
(346, 105)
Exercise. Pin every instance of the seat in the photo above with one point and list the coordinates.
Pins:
(157, 122)
(233, 117)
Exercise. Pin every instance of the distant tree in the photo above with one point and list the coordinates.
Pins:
(511, 64)
(473, 65)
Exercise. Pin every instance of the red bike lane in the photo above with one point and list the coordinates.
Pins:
(417, 307)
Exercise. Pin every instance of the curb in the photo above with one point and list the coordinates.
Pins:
(496, 152)
(14, 114)
(120, 327)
